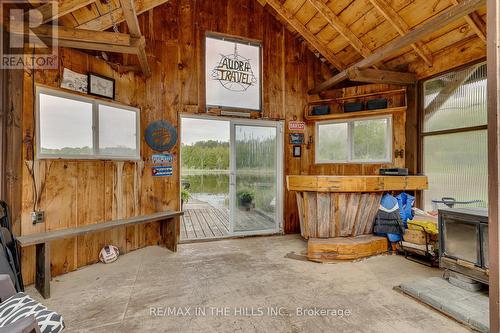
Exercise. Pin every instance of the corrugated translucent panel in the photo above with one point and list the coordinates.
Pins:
(457, 166)
(456, 100)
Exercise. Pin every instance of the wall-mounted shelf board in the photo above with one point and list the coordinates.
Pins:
(358, 114)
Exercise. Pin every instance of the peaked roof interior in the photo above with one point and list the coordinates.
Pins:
(342, 32)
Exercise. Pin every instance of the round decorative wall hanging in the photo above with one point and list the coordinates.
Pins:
(160, 135)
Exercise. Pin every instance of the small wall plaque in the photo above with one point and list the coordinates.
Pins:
(296, 138)
(160, 135)
(162, 171)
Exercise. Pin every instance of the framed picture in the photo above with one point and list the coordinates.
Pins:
(296, 138)
(101, 86)
(74, 81)
(297, 151)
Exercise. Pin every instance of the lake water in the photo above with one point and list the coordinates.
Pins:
(213, 188)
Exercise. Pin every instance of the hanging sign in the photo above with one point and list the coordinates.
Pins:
(295, 125)
(162, 158)
(232, 73)
(160, 135)
(162, 171)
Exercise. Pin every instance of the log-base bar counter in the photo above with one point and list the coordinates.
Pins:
(344, 206)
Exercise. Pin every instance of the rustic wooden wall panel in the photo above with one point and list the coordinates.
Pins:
(83, 192)
(75, 193)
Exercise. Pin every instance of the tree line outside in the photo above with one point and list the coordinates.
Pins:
(251, 154)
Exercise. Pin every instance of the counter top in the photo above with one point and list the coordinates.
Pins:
(305, 183)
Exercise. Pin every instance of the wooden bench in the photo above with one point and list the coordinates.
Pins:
(169, 233)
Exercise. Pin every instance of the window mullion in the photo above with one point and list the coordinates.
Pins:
(349, 140)
(95, 127)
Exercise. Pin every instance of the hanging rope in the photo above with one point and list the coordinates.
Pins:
(110, 11)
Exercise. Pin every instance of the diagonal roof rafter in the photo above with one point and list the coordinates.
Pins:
(435, 23)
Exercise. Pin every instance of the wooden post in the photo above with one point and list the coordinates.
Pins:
(3, 132)
(169, 233)
(42, 279)
(493, 58)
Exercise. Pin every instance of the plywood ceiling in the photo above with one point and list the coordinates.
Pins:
(353, 29)
(342, 32)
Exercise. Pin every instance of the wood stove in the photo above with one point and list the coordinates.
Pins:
(463, 241)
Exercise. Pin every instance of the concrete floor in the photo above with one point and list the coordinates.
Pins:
(229, 275)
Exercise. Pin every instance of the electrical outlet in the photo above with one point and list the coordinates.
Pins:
(37, 217)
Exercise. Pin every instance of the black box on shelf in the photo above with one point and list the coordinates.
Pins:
(376, 103)
(353, 106)
(320, 110)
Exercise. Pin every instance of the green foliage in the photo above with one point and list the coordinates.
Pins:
(208, 155)
(251, 153)
(185, 195)
(369, 138)
(245, 196)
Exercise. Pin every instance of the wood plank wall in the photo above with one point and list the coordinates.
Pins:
(74, 193)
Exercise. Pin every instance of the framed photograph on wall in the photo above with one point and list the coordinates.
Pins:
(101, 86)
(297, 151)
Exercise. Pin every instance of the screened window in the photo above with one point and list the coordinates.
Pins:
(74, 126)
(366, 140)
(232, 73)
(455, 136)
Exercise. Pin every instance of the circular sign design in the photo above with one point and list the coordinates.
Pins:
(161, 135)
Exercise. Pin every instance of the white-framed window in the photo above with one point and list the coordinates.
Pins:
(233, 73)
(361, 140)
(72, 126)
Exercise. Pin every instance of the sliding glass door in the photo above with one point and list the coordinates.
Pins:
(232, 172)
(256, 177)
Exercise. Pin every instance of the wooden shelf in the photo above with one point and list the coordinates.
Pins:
(357, 114)
(340, 99)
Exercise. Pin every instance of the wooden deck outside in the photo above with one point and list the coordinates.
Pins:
(203, 221)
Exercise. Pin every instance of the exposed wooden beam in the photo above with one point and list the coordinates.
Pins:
(49, 13)
(65, 33)
(493, 86)
(341, 27)
(143, 58)
(402, 28)
(437, 22)
(370, 75)
(475, 22)
(130, 16)
(88, 40)
(448, 90)
(105, 22)
(290, 19)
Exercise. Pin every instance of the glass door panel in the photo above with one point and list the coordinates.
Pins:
(254, 178)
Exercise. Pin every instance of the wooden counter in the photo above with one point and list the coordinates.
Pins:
(344, 206)
(356, 183)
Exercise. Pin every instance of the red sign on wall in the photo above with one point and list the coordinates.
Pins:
(296, 125)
